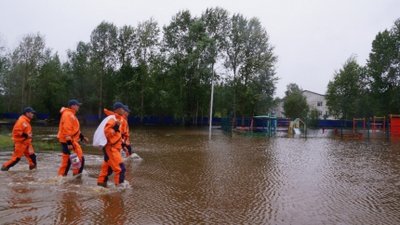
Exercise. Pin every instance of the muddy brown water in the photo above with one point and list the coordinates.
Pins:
(184, 178)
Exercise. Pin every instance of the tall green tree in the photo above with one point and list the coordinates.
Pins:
(126, 45)
(235, 53)
(200, 71)
(294, 103)
(166, 76)
(257, 74)
(26, 62)
(50, 88)
(216, 22)
(163, 97)
(384, 71)
(345, 94)
(146, 51)
(4, 67)
(250, 57)
(185, 42)
(176, 45)
(104, 49)
(127, 91)
(81, 79)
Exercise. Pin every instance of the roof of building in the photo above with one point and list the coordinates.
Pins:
(313, 92)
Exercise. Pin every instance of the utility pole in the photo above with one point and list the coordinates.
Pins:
(211, 102)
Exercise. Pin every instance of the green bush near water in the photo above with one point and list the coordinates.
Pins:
(6, 143)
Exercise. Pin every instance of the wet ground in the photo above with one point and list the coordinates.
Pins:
(186, 179)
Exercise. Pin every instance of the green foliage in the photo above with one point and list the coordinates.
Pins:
(4, 67)
(164, 72)
(251, 61)
(188, 67)
(344, 93)
(294, 103)
(314, 116)
(147, 42)
(51, 79)
(26, 61)
(6, 142)
(384, 71)
(103, 42)
(374, 89)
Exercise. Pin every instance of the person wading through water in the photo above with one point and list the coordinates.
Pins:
(69, 135)
(113, 161)
(124, 129)
(22, 137)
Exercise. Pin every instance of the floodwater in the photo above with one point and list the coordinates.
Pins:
(186, 179)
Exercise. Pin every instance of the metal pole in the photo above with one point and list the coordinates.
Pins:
(211, 102)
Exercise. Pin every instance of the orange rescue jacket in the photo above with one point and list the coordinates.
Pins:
(124, 127)
(114, 138)
(21, 127)
(69, 128)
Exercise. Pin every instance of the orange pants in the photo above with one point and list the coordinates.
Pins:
(66, 163)
(21, 149)
(112, 163)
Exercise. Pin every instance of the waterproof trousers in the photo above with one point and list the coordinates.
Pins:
(112, 163)
(21, 149)
(65, 161)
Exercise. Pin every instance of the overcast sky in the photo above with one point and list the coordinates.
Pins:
(312, 38)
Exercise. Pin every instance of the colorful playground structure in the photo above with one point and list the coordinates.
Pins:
(264, 125)
(394, 126)
(296, 126)
(362, 127)
(375, 127)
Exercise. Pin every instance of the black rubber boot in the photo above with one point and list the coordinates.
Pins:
(102, 184)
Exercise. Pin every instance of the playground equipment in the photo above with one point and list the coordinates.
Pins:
(394, 125)
(356, 134)
(259, 125)
(295, 126)
(265, 124)
(378, 123)
(356, 121)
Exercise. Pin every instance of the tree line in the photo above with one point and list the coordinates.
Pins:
(373, 89)
(157, 71)
(358, 91)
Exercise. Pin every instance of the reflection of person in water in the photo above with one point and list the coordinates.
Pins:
(113, 209)
(69, 209)
(22, 137)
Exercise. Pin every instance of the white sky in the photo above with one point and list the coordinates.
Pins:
(312, 38)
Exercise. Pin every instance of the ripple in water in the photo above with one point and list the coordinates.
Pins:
(186, 179)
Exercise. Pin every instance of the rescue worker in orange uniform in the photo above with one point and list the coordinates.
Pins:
(112, 150)
(69, 135)
(22, 137)
(124, 128)
(126, 144)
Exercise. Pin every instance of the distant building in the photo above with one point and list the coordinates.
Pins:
(314, 101)
(318, 102)
(278, 110)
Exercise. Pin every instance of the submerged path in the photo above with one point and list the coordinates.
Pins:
(186, 179)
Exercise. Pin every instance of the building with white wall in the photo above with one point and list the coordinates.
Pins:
(314, 101)
(318, 102)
